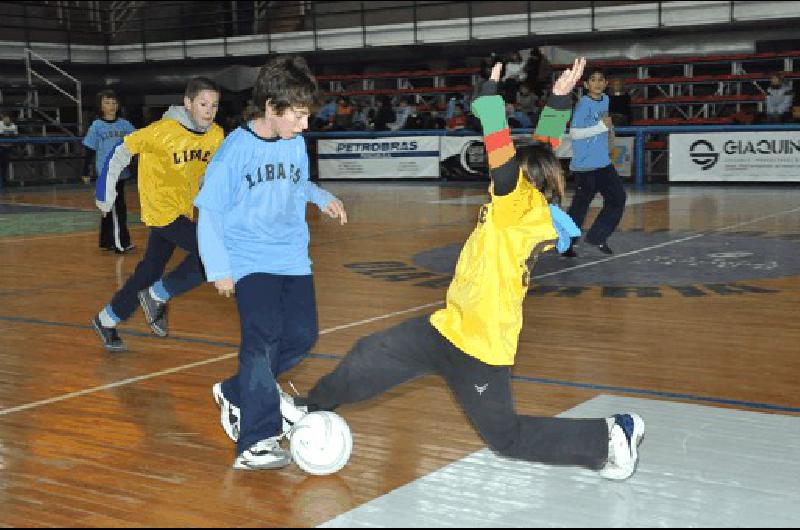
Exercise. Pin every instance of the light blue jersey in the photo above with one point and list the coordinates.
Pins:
(590, 153)
(253, 207)
(103, 136)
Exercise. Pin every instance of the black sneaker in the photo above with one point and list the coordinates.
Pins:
(604, 248)
(155, 312)
(125, 250)
(109, 336)
(570, 252)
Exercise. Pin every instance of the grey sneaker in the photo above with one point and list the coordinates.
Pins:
(155, 312)
(109, 336)
(266, 454)
(229, 416)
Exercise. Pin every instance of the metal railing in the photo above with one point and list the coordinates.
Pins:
(30, 56)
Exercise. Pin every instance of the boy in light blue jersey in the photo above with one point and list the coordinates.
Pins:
(105, 133)
(591, 164)
(253, 239)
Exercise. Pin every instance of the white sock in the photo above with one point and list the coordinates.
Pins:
(155, 295)
(106, 320)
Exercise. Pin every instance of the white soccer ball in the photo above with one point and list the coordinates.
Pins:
(321, 443)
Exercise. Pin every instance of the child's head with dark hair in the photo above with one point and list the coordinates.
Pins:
(107, 104)
(595, 82)
(201, 100)
(541, 167)
(285, 92)
(285, 82)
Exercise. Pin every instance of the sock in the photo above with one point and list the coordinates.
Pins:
(107, 317)
(159, 292)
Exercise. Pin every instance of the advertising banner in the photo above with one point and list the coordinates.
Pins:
(394, 157)
(752, 156)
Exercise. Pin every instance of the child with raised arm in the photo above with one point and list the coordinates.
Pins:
(254, 241)
(173, 155)
(472, 342)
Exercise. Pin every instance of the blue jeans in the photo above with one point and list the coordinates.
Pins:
(160, 245)
(278, 319)
(609, 184)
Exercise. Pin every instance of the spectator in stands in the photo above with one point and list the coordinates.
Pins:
(7, 128)
(342, 120)
(402, 112)
(324, 115)
(619, 103)
(537, 72)
(513, 76)
(779, 99)
(527, 102)
(360, 117)
(384, 115)
(516, 118)
(459, 119)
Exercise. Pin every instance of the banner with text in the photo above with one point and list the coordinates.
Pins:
(394, 157)
(753, 156)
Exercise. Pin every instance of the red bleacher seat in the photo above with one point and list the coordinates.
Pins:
(684, 121)
(716, 98)
(394, 91)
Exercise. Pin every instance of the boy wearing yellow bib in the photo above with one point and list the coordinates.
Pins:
(173, 155)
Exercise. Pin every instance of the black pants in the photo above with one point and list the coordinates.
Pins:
(161, 244)
(609, 184)
(114, 225)
(415, 348)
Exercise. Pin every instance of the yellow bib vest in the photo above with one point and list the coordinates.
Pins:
(172, 162)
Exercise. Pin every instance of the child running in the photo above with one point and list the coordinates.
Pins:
(173, 155)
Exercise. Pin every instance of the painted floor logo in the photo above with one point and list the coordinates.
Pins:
(705, 265)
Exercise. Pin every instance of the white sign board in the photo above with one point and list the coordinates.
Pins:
(753, 156)
(394, 157)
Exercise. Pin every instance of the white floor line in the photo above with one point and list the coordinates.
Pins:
(35, 404)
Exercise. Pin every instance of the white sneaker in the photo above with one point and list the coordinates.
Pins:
(624, 436)
(266, 454)
(229, 416)
(291, 413)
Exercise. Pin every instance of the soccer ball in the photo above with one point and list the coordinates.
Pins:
(321, 443)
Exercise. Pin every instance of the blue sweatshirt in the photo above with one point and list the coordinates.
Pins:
(590, 153)
(253, 207)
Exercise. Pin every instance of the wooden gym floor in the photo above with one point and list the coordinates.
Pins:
(89, 438)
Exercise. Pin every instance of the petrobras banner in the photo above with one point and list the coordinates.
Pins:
(752, 156)
(395, 157)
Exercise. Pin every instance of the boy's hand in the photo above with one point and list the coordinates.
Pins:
(225, 287)
(569, 78)
(496, 69)
(335, 209)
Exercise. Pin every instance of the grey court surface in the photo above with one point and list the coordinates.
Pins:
(700, 467)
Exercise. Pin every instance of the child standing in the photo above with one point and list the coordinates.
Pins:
(173, 155)
(254, 242)
(105, 133)
(591, 165)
